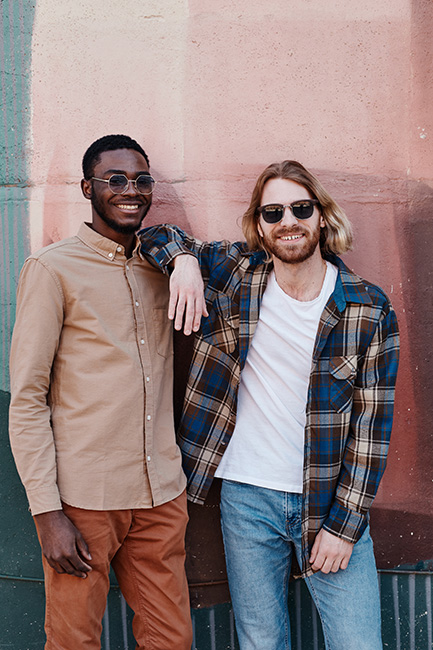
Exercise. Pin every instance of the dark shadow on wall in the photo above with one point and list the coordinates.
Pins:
(405, 534)
(167, 206)
(205, 562)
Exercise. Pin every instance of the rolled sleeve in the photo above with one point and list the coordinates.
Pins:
(162, 244)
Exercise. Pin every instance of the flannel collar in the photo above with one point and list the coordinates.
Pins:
(349, 287)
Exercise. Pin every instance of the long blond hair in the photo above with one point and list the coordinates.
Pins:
(336, 237)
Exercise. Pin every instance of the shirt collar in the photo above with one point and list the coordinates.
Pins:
(349, 287)
(100, 244)
(257, 257)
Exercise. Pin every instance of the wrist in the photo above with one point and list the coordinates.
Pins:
(182, 259)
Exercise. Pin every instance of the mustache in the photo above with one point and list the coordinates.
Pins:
(282, 232)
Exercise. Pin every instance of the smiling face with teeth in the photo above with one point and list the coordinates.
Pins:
(291, 241)
(117, 216)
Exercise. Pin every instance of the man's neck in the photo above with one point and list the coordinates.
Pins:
(301, 281)
(127, 241)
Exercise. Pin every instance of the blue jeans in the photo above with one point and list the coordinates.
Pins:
(260, 529)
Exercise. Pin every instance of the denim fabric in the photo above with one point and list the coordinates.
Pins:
(261, 527)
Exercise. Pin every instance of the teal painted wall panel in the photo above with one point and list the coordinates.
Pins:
(19, 548)
(14, 250)
(16, 23)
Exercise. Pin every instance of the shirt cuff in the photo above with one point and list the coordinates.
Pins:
(345, 523)
(163, 256)
(44, 500)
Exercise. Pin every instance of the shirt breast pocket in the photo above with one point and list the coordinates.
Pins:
(221, 327)
(342, 377)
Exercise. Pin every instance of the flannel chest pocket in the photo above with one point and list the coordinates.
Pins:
(342, 378)
(221, 328)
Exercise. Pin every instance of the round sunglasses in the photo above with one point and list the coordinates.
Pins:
(119, 183)
(274, 212)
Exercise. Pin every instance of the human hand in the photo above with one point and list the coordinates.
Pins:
(187, 303)
(62, 544)
(330, 553)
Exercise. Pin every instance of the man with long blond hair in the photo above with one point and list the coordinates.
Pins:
(289, 402)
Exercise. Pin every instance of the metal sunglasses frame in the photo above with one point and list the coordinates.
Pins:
(128, 181)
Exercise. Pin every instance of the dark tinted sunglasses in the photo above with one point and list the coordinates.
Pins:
(274, 212)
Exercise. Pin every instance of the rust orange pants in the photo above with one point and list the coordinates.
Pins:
(146, 549)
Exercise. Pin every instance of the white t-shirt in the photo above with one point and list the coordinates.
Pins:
(267, 445)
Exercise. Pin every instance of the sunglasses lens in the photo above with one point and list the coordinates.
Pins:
(118, 183)
(272, 213)
(303, 209)
(145, 184)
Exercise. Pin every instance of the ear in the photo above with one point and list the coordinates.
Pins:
(86, 188)
(259, 228)
(322, 221)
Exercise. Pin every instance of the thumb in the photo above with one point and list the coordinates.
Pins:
(315, 548)
(82, 547)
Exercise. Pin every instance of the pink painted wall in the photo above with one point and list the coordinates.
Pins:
(217, 90)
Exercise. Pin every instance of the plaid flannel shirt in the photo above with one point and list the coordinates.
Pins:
(351, 390)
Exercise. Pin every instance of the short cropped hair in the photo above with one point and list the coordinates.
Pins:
(108, 143)
(336, 237)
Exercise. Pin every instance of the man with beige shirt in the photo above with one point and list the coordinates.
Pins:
(91, 419)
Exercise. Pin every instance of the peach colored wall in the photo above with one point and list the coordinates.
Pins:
(217, 90)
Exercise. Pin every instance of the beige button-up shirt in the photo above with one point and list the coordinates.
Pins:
(91, 417)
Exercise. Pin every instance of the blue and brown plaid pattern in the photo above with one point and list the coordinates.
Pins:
(351, 391)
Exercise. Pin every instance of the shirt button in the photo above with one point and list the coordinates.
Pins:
(110, 254)
(127, 267)
(136, 303)
(142, 341)
(119, 249)
(147, 378)
(148, 458)
(149, 417)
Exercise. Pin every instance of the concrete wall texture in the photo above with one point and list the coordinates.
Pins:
(215, 91)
